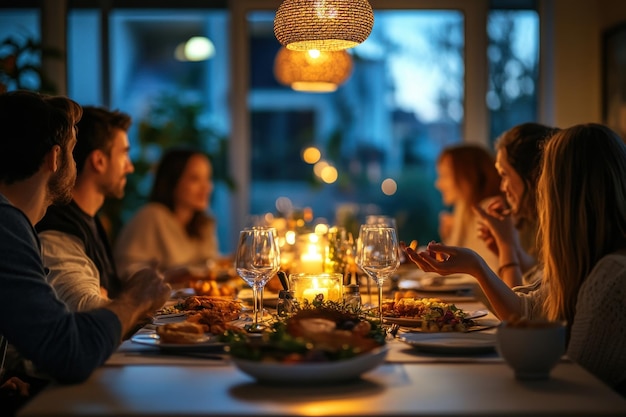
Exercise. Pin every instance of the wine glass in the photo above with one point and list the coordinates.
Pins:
(257, 260)
(381, 220)
(378, 256)
(340, 249)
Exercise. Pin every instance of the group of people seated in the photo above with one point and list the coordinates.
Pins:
(494, 201)
(74, 296)
(557, 223)
(171, 233)
(557, 228)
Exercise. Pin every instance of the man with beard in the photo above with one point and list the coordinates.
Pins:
(36, 170)
(75, 245)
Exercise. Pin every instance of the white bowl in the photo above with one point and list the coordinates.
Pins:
(313, 372)
(533, 349)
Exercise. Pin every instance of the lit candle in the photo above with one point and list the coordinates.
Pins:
(311, 293)
(311, 262)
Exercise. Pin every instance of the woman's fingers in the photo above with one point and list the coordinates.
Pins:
(16, 384)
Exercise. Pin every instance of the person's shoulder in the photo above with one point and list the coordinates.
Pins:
(57, 239)
(15, 227)
(11, 215)
(611, 267)
(614, 258)
(150, 215)
(153, 209)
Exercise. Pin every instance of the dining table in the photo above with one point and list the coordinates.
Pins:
(140, 380)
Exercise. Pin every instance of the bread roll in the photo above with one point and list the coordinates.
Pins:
(183, 332)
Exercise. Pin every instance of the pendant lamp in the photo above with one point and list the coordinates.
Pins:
(325, 25)
(312, 71)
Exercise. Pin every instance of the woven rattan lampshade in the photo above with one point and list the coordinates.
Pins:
(325, 25)
(313, 71)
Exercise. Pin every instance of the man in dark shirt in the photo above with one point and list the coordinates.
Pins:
(75, 245)
(37, 135)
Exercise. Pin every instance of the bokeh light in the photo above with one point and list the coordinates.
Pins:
(329, 174)
(389, 186)
(311, 155)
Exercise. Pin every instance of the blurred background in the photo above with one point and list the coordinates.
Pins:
(431, 74)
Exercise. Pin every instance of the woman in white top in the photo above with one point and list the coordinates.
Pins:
(173, 231)
(466, 175)
(582, 225)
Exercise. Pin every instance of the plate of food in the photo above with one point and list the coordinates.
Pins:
(323, 343)
(270, 299)
(312, 372)
(224, 308)
(179, 336)
(451, 343)
(431, 315)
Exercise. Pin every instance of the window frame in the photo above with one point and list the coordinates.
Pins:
(476, 117)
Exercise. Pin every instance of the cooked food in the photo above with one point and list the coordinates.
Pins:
(213, 288)
(183, 332)
(214, 313)
(318, 334)
(215, 321)
(433, 313)
(220, 308)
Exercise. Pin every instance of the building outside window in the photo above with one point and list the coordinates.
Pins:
(381, 131)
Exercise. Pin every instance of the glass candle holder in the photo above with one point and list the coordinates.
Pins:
(323, 287)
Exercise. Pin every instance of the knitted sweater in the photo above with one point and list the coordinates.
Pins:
(598, 332)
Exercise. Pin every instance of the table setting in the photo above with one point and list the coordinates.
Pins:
(320, 287)
(328, 348)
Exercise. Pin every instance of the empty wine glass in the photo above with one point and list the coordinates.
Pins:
(378, 256)
(380, 220)
(257, 260)
(339, 251)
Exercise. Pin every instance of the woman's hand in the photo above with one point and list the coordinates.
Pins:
(446, 260)
(495, 226)
(15, 384)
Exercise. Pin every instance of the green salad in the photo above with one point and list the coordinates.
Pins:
(319, 332)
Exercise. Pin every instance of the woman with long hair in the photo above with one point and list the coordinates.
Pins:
(582, 229)
(466, 176)
(173, 231)
(509, 225)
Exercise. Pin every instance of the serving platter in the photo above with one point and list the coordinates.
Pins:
(153, 339)
(312, 372)
(416, 322)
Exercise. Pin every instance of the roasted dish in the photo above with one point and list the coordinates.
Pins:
(433, 314)
(183, 332)
(214, 313)
(321, 333)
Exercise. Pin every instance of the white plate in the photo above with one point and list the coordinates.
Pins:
(169, 316)
(314, 372)
(270, 299)
(417, 322)
(453, 342)
(152, 339)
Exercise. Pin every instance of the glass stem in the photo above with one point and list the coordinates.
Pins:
(380, 301)
(255, 296)
(260, 292)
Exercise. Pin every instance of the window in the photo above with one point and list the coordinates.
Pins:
(418, 85)
(385, 126)
(20, 37)
(513, 54)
